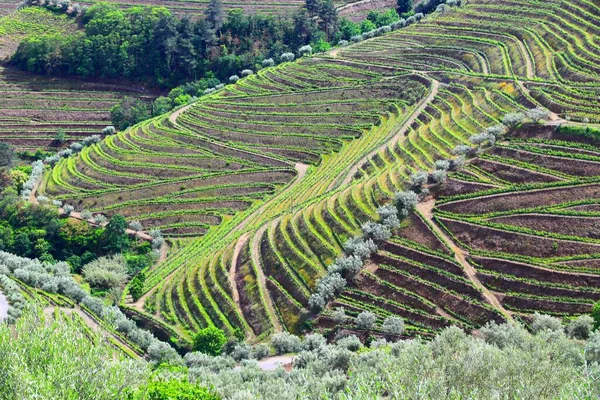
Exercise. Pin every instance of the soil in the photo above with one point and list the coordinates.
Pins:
(419, 232)
(588, 227)
(453, 187)
(495, 240)
(513, 174)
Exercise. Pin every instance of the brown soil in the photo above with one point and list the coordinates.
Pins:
(453, 187)
(419, 232)
(588, 227)
(513, 174)
(546, 306)
(489, 239)
(527, 199)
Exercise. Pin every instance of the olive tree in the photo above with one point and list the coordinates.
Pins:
(135, 226)
(512, 120)
(285, 342)
(542, 322)
(537, 114)
(393, 325)
(269, 62)
(581, 327)
(365, 320)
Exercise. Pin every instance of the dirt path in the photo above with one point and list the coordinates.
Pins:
(175, 114)
(426, 210)
(272, 363)
(232, 269)
(90, 321)
(396, 138)
(262, 280)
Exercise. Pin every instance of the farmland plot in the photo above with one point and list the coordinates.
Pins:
(263, 181)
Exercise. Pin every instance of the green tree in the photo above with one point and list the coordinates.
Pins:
(60, 137)
(7, 154)
(210, 341)
(129, 111)
(115, 238)
(596, 315)
(214, 14)
(179, 390)
(405, 6)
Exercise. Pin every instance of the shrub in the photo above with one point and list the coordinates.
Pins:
(162, 353)
(210, 341)
(339, 315)
(109, 130)
(285, 342)
(405, 202)
(305, 50)
(99, 219)
(504, 335)
(457, 164)
(343, 43)
(365, 320)
(543, 322)
(269, 62)
(443, 165)
(418, 179)
(537, 114)
(179, 390)
(68, 209)
(496, 130)
(512, 120)
(234, 78)
(377, 232)
(438, 177)
(287, 57)
(241, 352)
(351, 343)
(356, 39)
(313, 341)
(247, 72)
(581, 327)
(393, 325)
(106, 272)
(86, 214)
(261, 351)
(462, 150)
(135, 226)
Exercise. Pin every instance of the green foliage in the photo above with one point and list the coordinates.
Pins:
(383, 18)
(106, 273)
(60, 137)
(179, 390)
(47, 360)
(7, 154)
(596, 315)
(404, 6)
(114, 237)
(129, 111)
(136, 286)
(210, 341)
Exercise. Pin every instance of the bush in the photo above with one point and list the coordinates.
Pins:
(418, 179)
(581, 327)
(543, 322)
(393, 326)
(405, 202)
(234, 78)
(109, 130)
(269, 62)
(106, 273)
(285, 342)
(442, 165)
(365, 320)
(377, 232)
(210, 341)
(438, 177)
(162, 353)
(504, 335)
(537, 114)
(179, 390)
(313, 341)
(512, 120)
(287, 57)
(351, 343)
(247, 72)
(261, 351)
(339, 315)
(305, 50)
(135, 226)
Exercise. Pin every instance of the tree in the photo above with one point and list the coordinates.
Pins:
(60, 137)
(393, 325)
(135, 226)
(404, 6)
(7, 154)
(106, 273)
(328, 16)
(214, 14)
(512, 120)
(210, 341)
(537, 114)
(115, 238)
(542, 322)
(285, 342)
(596, 315)
(581, 327)
(339, 315)
(179, 390)
(365, 320)
(129, 111)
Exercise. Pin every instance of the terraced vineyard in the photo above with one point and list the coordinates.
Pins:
(33, 108)
(348, 8)
(260, 184)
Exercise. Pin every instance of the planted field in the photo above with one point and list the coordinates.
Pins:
(356, 9)
(34, 108)
(263, 181)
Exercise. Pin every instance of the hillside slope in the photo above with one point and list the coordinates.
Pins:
(253, 234)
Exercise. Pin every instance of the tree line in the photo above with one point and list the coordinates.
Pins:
(151, 45)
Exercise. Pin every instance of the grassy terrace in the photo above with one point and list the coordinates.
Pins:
(260, 183)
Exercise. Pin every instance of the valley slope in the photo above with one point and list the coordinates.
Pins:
(260, 183)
